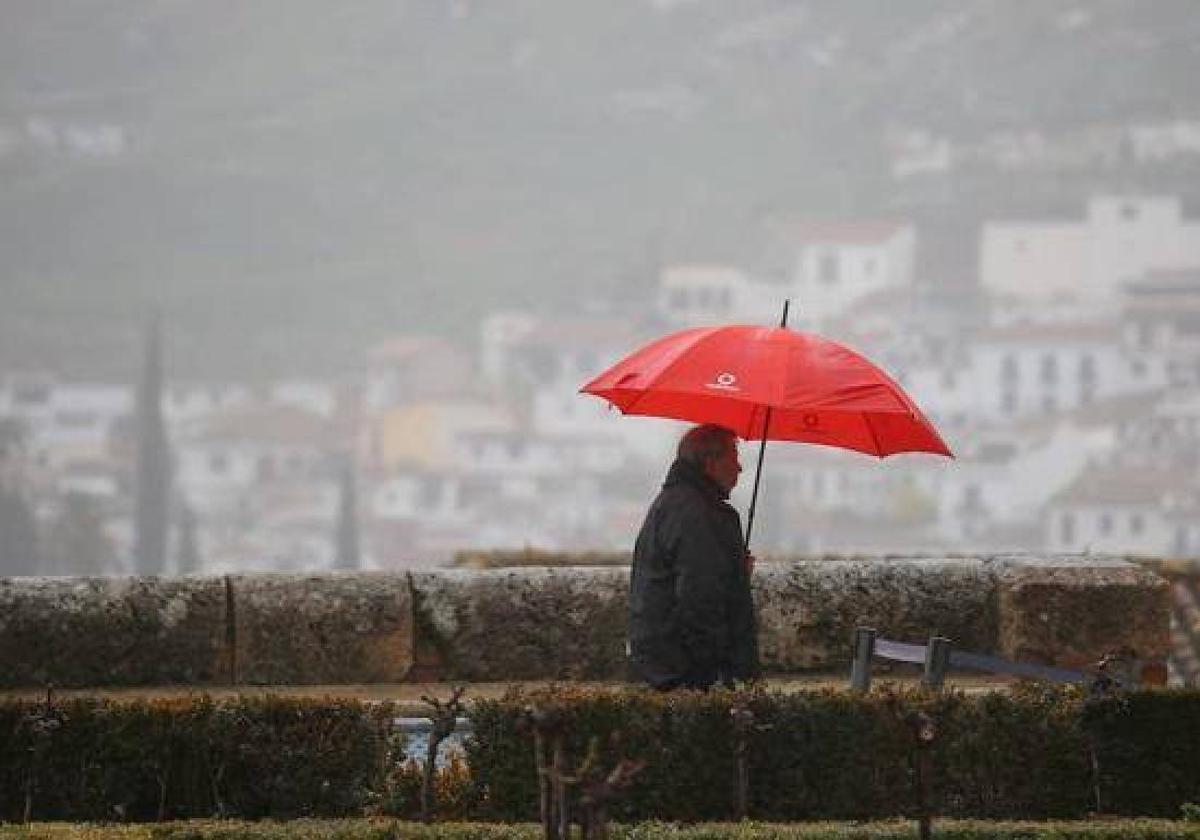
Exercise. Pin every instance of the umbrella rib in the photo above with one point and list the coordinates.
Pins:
(874, 435)
(670, 365)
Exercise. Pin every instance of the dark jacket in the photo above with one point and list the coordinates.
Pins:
(691, 617)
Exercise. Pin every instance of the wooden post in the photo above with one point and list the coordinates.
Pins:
(547, 723)
(561, 788)
(743, 725)
(924, 732)
(937, 659)
(860, 667)
(443, 717)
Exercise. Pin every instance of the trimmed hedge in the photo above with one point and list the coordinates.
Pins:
(1034, 752)
(254, 757)
(814, 755)
(387, 830)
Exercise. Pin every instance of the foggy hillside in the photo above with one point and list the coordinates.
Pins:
(290, 180)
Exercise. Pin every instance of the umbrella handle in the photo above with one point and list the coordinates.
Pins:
(762, 449)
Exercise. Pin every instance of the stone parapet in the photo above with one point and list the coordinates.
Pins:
(327, 628)
(539, 623)
(112, 631)
(1073, 611)
(523, 624)
(808, 610)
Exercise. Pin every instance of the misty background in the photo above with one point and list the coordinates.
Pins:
(386, 242)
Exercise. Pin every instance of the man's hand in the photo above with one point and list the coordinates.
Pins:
(749, 564)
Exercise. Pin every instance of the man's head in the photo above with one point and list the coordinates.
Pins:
(714, 450)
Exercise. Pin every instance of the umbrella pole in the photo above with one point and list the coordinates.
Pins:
(762, 450)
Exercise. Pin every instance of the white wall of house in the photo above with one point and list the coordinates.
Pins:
(317, 398)
(831, 274)
(1033, 260)
(1120, 239)
(428, 497)
(1115, 528)
(499, 333)
(186, 404)
(516, 455)
(1018, 373)
(693, 295)
(1130, 235)
(215, 474)
(696, 295)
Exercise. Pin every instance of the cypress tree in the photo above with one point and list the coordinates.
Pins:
(19, 552)
(347, 525)
(18, 535)
(187, 552)
(153, 478)
(75, 541)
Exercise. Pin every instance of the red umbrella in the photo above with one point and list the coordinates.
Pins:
(768, 383)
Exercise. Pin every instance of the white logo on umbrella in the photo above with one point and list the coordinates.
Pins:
(724, 381)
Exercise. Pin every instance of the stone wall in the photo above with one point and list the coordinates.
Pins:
(540, 623)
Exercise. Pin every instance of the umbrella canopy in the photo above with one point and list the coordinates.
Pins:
(794, 385)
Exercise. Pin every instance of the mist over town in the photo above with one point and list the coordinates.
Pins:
(377, 250)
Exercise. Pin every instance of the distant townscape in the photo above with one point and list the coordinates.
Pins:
(1065, 379)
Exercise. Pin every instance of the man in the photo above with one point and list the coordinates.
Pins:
(691, 618)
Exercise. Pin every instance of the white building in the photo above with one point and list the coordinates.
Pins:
(1162, 315)
(187, 403)
(825, 268)
(222, 462)
(1119, 239)
(428, 497)
(65, 421)
(410, 369)
(830, 266)
(694, 295)
(1125, 509)
(1034, 369)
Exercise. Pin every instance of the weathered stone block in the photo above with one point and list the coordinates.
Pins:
(111, 631)
(327, 628)
(1071, 612)
(525, 623)
(807, 610)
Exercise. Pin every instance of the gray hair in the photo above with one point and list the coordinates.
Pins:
(704, 442)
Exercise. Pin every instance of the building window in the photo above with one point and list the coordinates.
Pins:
(1128, 212)
(870, 266)
(1008, 401)
(972, 498)
(1009, 369)
(1087, 370)
(430, 494)
(827, 268)
(1106, 524)
(218, 463)
(31, 394)
(1066, 529)
(76, 419)
(1049, 369)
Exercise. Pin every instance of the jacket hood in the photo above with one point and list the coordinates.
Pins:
(685, 472)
